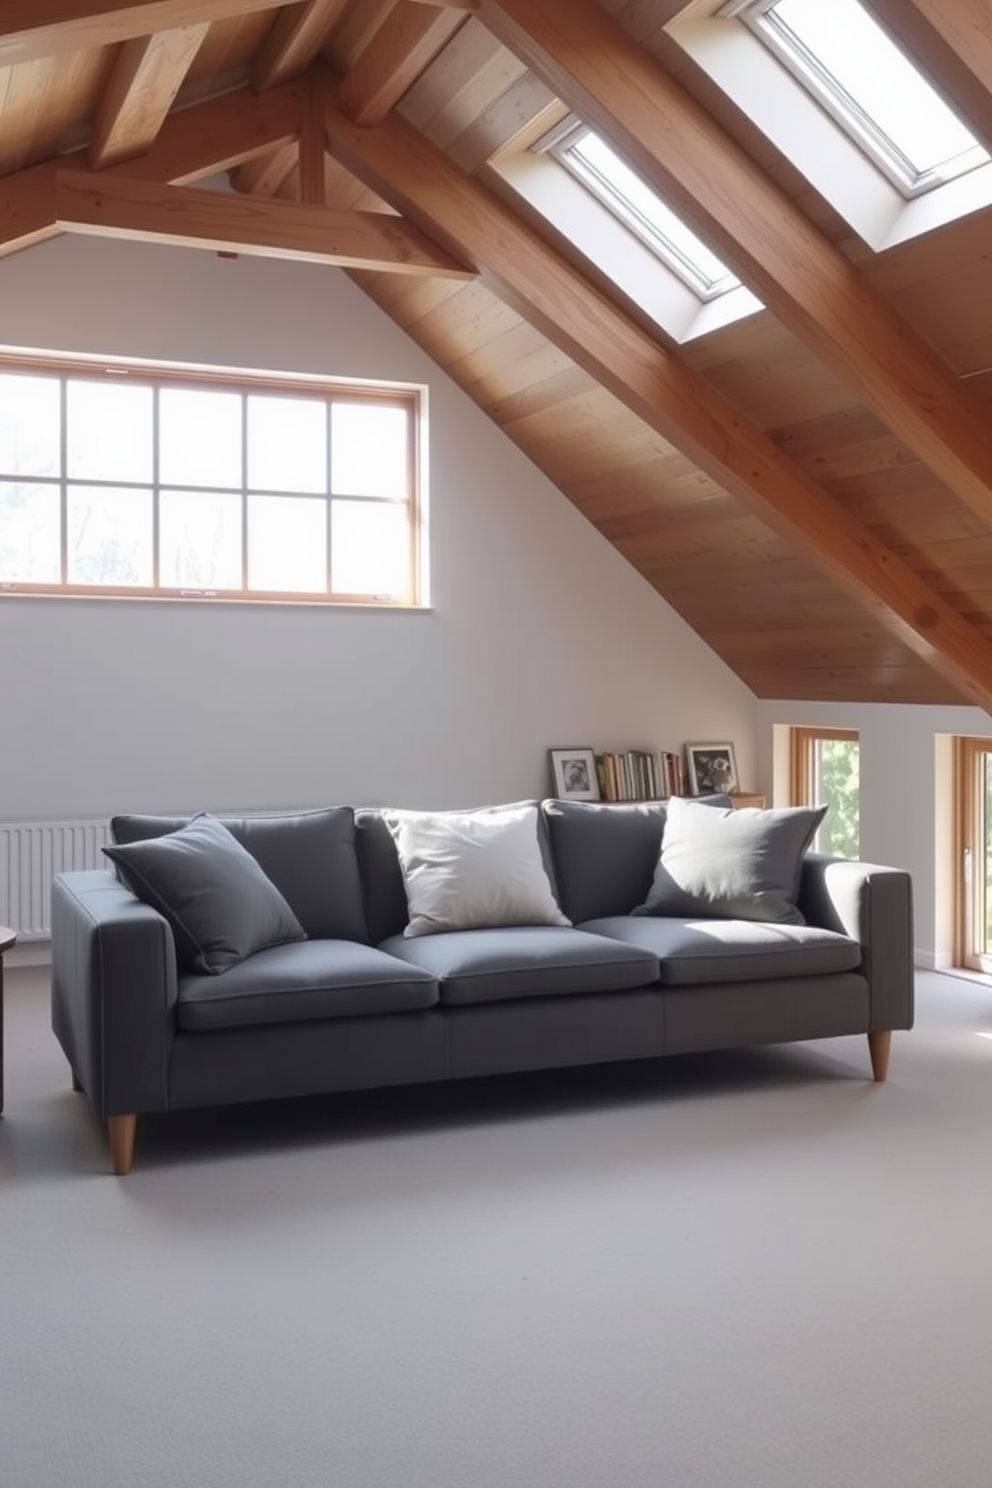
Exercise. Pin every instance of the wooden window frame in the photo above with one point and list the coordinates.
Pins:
(801, 740)
(967, 751)
(409, 397)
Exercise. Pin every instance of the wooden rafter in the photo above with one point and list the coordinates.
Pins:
(529, 275)
(114, 206)
(146, 78)
(221, 133)
(408, 41)
(43, 28)
(265, 174)
(192, 144)
(312, 153)
(294, 41)
(622, 92)
(950, 48)
(966, 26)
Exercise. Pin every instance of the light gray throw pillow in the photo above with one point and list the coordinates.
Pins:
(464, 870)
(740, 865)
(221, 906)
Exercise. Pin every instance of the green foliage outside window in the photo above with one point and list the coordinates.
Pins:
(837, 776)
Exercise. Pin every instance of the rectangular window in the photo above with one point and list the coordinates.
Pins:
(973, 840)
(622, 191)
(128, 480)
(841, 55)
(825, 770)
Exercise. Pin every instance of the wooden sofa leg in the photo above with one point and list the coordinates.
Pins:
(121, 1130)
(879, 1045)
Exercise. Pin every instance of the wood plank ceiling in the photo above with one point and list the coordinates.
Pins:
(810, 487)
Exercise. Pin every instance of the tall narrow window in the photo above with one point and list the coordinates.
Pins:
(825, 770)
(973, 833)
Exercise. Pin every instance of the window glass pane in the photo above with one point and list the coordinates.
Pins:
(878, 78)
(30, 422)
(29, 534)
(287, 544)
(370, 548)
(983, 874)
(287, 444)
(369, 445)
(200, 540)
(109, 431)
(657, 216)
(837, 768)
(199, 437)
(110, 536)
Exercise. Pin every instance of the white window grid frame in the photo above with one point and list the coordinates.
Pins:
(68, 367)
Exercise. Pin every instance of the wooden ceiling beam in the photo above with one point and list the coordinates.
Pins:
(265, 174)
(27, 208)
(408, 41)
(30, 29)
(312, 152)
(113, 206)
(518, 265)
(626, 95)
(142, 88)
(194, 143)
(951, 48)
(219, 134)
(294, 41)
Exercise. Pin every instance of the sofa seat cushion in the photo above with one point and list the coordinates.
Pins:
(500, 964)
(308, 980)
(711, 950)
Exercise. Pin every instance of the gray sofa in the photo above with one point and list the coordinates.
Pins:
(356, 1003)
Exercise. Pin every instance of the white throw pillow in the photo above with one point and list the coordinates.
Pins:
(464, 870)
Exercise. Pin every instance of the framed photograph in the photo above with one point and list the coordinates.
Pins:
(711, 767)
(573, 772)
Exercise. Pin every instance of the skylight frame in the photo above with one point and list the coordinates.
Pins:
(563, 144)
(821, 84)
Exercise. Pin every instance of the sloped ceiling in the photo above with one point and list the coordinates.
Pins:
(811, 487)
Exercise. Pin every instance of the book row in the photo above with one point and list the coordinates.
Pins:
(639, 775)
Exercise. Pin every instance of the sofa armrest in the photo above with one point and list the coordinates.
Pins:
(114, 989)
(874, 906)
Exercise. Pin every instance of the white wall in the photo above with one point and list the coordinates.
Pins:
(905, 793)
(540, 634)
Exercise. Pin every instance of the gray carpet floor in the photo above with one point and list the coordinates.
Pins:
(751, 1270)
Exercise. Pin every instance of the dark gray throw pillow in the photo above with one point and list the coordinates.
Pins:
(741, 865)
(213, 893)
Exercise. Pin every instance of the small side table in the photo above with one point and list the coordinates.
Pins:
(7, 938)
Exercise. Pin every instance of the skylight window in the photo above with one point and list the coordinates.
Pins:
(624, 193)
(839, 53)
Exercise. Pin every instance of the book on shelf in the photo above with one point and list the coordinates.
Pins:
(639, 775)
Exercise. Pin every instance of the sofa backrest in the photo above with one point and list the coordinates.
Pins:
(310, 856)
(604, 854)
(382, 880)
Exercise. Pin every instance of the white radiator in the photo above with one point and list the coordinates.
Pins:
(31, 853)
